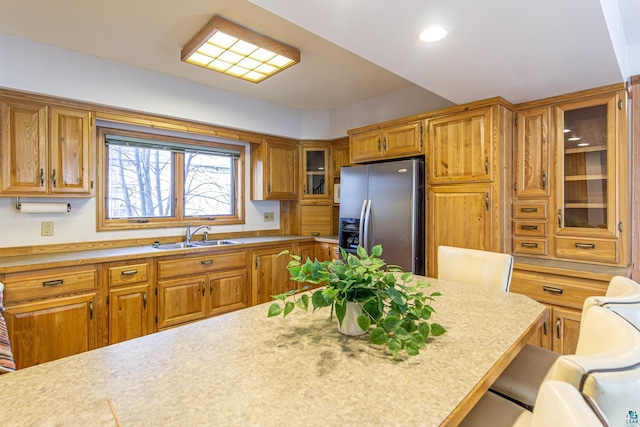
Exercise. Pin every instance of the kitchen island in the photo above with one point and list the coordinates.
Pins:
(245, 369)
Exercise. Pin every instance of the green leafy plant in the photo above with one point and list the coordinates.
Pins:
(398, 309)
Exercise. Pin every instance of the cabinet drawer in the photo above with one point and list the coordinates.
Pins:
(556, 289)
(530, 246)
(48, 283)
(534, 210)
(127, 274)
(587, 249)
(201, 264)
(530, 228)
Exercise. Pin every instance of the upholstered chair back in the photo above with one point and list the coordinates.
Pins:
(606, 341)
(615, 395)
(483, 268)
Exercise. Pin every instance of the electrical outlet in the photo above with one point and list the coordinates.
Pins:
(268, 216)
(46, 228)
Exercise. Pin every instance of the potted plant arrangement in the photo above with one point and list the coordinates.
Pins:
(364, 289)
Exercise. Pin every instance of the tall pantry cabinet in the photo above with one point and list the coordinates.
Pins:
(468, 179)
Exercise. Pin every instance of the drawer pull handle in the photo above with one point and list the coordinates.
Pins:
(53, 282)
(529, 227)
(529, 210)
(553, 290)
(144, 300)
(211, 287)
(207, 262)
(90, 310)
(129, 272)
(544, 327)
(558, 328)
(529, 245)
(586, 245)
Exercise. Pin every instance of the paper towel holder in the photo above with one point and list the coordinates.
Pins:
(19, 205)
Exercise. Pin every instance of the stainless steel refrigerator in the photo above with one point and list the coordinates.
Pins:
(383, 203)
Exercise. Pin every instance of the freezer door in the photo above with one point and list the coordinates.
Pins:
(393, 222)
(353, 190)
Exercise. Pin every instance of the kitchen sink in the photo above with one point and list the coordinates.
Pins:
(169, 246)
(214, 242)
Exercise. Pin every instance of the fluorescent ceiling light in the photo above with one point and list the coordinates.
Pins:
(583, 144)
(574, 138)
(433, 34)
(237, 51)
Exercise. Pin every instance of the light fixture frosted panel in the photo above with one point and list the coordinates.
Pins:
(237, 51)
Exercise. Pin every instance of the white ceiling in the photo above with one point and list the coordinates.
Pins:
(354, 49)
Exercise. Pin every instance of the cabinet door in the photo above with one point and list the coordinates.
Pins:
(316, 220)
(71, 142)
(129, 316)
(532, 153)
(566, 324)
(402, 140)
(23, 148)
(51, 329)
(228, 291)
(365, 146)
(340, 157)
(282, 166)
(542, 336)
(306, 250)
(323, 251)
(586, 167)
(270, 275)
(459, 216)
(181, 300)
(315, 173)
(461, 148)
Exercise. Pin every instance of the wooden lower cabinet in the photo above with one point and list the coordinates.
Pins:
(269, 274)
(220, 285)
(563, 290)
(306, 250)
(51, 313)
(129, 313)
(560, 331)
(327, 251)
(181, 300)
(228, 291)
(47, 330)
(130, 300)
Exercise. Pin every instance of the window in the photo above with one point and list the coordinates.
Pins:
(161, 181)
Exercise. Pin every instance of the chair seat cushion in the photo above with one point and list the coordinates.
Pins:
(495, 411)
(524, 375)
(6, 357)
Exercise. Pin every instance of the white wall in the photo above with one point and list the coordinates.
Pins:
(44, 69)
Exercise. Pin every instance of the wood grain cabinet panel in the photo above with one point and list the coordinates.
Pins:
(129, 312)
(532, 154)
(461, 147)
(228, 291)
(387, 142)
(269, 274)
(46, 150)
(181, 300)
(50, 329)
(274, 171)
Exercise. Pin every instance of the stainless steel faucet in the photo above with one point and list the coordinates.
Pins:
(189, 234)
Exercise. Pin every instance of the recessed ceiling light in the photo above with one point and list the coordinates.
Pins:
(433, 34)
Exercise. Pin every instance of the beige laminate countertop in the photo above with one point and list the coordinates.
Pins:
(242, 369)
(63, 259)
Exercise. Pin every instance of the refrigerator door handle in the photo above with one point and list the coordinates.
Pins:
(361, 234)
(367, 227)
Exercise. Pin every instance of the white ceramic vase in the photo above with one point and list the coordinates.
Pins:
(350, 322)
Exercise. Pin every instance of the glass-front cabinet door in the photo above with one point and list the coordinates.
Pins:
(315, 170)
(587, 139)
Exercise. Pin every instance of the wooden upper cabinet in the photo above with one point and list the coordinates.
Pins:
(339, 157)
(70, 145)
(389, 142)
(274, 171)
(461, 148)
(532, 166)
(46, 150)
(314, 171)
(23, 147)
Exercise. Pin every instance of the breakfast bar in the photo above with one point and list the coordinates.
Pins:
(243, 368)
